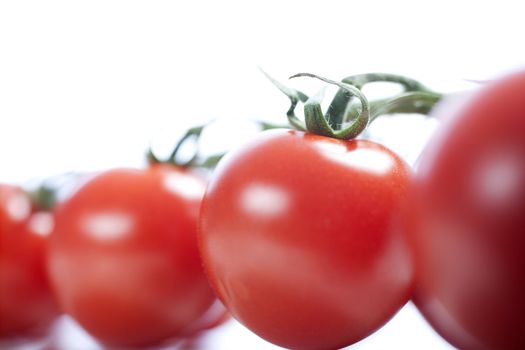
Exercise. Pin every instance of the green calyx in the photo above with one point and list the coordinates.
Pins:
(193, 133)
(346, 119)
(319, 124)
(295, 97)
(197, 160)
(44, 197)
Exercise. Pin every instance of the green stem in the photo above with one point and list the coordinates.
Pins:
(337, 114)
(420, 102)
(210, 162)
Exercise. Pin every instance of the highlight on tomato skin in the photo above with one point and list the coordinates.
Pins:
(27, 305)
(467, 219)
(124, 261)
(301, 239)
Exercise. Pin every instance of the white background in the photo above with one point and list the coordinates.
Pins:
(89, 85)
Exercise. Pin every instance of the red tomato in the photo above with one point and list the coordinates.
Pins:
(300, 238)
(469, 222)
(27, 305)
(124, 258)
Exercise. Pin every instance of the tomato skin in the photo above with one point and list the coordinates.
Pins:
(124, 259)
(27, 306)
(300, 239)
(469, 225)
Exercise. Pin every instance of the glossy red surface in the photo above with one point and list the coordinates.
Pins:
(124, 259)
(27, 306)
(469, 222)
(301, 238)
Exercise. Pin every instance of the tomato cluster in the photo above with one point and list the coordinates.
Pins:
(122, 259)
(311, 238)
(312, 242)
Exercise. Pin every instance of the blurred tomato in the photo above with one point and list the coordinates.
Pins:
(300, 237)
(469, 222)
(124, 260)
(27, 305)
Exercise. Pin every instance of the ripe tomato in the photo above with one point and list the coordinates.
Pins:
(469, 222)
(27, 306)
(299, 236)
(124, 260)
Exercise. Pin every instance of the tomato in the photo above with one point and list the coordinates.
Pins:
(468, 217)
(124, 260)
(301, 239)
(27, 306)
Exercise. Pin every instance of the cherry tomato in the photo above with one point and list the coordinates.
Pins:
(27, 306)
(300, 238)
(124, 260)
(468, 217)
